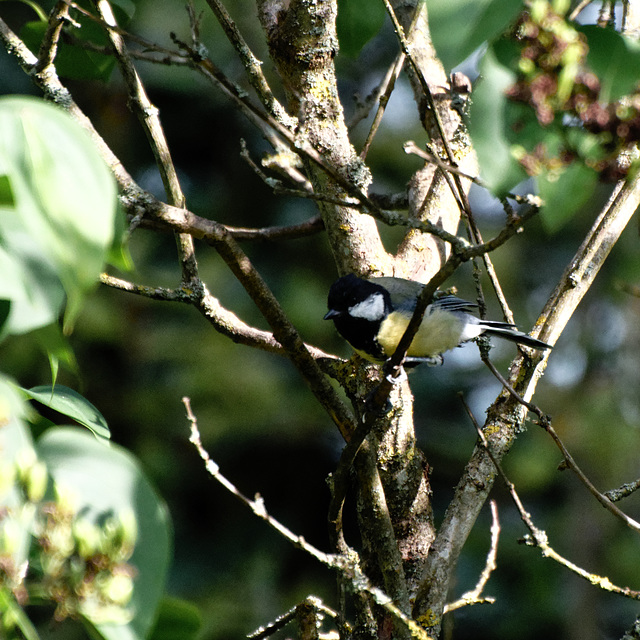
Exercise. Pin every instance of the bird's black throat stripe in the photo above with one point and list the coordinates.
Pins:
(361, 335)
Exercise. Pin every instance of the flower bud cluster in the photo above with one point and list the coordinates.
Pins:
(556, 82)
(50, 552)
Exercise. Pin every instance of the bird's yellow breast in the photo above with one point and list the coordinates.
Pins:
(439, 332)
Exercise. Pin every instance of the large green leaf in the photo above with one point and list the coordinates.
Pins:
(72, 61)
(504, 131)
(565, 195)
(106, 479)
(63, 218)
(614, 59)
(72, 404)
(30, 283)
(459, 27)
(176, 619)
(491, 121)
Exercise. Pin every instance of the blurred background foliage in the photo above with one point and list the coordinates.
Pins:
(137, 358)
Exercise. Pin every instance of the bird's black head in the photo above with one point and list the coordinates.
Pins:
(357, 307)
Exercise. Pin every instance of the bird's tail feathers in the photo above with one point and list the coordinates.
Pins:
(509, 332)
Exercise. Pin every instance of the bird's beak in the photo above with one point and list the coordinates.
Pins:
(332, 314)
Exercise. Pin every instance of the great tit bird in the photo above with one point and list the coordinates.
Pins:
(372, 316)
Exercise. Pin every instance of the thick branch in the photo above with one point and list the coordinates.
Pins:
(302, 41)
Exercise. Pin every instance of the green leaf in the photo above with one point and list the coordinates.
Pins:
(56, 345)
(615, 59)
(564, 195)
(65, 197)
(459, 27)
(492, 120)
(72, 404)
(106, 479)
(176, 619)
(357, 22)
(36, 8)
(119, 255)
(72, 61)
(30, 282)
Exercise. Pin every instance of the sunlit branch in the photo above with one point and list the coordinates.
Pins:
(545, 423)
(310, 605)
(348, 567)
(222, 320)
(149, 118)
(474, 596)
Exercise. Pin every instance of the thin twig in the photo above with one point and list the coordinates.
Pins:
(600, 497)
(384, 94)
(222, 320)
(144, 109)
(456, 186)
(545, 423)
(538, 538)
(256, 505)
(312, 603)
(345, 565)
(411, 148)
(252, 66)
(49, 46)
(148, 115)
(622, 492)
(474, 596)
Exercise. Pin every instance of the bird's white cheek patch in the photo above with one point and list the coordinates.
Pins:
(370, 309)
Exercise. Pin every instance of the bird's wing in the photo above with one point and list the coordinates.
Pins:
(450, 303)
(403, 292)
